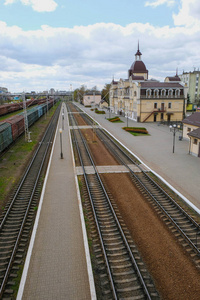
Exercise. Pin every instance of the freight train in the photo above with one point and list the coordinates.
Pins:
(9, 108)
(12, 128)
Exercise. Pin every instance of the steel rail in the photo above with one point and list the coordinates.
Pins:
(151, 180)
(11, 259)
(23, 179)
(153, 197)
(115, 217)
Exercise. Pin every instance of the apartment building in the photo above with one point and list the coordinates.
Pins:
(192, 79)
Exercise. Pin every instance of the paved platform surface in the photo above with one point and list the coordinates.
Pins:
(58, 268)
(109, 169)
(179, 169)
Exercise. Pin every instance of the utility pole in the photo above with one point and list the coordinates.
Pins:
(47, 104)
(26, 131)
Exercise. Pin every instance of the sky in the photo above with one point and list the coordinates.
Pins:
(61, 44)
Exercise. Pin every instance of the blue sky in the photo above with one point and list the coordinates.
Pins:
(54, 43)
(76, 13)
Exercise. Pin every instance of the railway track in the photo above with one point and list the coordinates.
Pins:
(123, 273)
(174, 214)
(17, 220)
(177, 219)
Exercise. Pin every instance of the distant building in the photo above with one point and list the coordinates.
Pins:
(144, 100)
(52, 91)
(3, 90)
(191, 131)
(192, 79)
(92, 98)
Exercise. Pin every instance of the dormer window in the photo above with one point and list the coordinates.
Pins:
(177, 93)
(163, 92)
(156, 93)
(148, 93)
(170, 93)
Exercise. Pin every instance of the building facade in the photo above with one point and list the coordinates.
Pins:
(92, 98)
(145, 100)
(192, 79)
(191, 131)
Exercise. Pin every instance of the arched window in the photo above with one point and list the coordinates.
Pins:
(156, 93)
(177, 93)
(170, 92)
(148, 93)
(163, 92)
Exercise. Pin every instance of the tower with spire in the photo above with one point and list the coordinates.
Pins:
(138, 69)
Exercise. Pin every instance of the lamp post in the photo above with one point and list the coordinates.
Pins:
(61, 154)
(63, 121)
(127, 116)
(174, 129)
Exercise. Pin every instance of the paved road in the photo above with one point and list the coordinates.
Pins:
(179, 169)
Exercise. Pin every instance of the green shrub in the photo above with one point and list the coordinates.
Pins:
(101, 112)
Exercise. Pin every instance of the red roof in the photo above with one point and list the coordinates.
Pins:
(174, 78)
(138, 67)
(164, 85)
(193, 119)
(195, 133)
(137, 77)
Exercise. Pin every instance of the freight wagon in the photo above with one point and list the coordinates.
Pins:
(9, 108)
(12, 128)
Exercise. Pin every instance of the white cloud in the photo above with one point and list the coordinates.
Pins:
(37, 5)
(189, 14)
(160, 2)
(91, 55)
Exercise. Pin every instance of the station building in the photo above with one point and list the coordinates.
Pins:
(144, 100)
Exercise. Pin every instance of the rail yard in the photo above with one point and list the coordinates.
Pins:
(144, 241)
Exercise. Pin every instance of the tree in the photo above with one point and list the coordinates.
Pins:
(188, 99)
(105, 92)
(79, 93)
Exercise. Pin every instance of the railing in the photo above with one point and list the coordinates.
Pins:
(162, 97)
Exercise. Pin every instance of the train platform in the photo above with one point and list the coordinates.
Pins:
(179, 170)
(58, 262)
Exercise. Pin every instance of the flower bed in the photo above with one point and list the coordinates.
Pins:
(115, 119)
(141, 130)
(101, 112)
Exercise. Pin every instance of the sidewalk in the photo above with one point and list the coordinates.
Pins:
(179, 169)
(59, 265)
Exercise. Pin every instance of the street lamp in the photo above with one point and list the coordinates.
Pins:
(62, 121)
(127, 116)
(61, 154)
(174, 129)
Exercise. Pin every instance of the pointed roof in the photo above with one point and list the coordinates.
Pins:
(138, 51)
(137, 67)
(173, 78)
